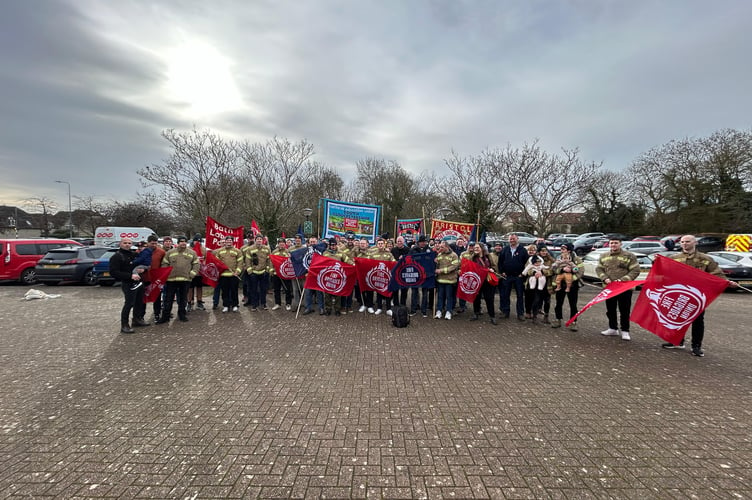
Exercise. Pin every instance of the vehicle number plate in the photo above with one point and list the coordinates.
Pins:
(105, 273)
(51, 266)
(745, 282)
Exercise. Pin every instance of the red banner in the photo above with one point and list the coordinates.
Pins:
(472, 277)
(216, 233)
(673, 296)
(330, 276)
(211, 268)
(443, 228)
(158, 278)
(374, 275)
(283, 267)
(612, 290)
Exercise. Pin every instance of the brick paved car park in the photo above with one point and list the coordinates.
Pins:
(262, 405)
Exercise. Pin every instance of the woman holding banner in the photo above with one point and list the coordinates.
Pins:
(480, 257)
(568, 262)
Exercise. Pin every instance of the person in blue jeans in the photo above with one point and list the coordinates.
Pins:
(512, 262)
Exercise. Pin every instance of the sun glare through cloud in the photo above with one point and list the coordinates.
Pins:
(199, 76)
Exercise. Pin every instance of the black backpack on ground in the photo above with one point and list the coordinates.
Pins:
(400, 317)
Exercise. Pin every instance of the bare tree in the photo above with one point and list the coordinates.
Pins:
(476, 186)
(199, 178)
(47, 206)
(89, 214)
(543, 186)
(692, 183)
(274, 175)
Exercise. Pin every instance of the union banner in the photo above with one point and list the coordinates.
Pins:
(330, 276)
(472, 277)
(673, 296)
(216, 233)
(374, 275)
(441, 229)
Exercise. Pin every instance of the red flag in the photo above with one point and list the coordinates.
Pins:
(158, 278)
(673, 296)
(216, 233)
(612, 290)
(211, 268)
(283, 267)
(472, 277)
(374, 275)
(254, 228)
(198, 250)
(330, 276)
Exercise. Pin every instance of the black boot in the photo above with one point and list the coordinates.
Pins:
(140, 322)
(125, 328)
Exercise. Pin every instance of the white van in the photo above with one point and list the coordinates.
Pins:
(111, 236)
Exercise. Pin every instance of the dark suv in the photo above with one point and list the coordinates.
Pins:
(74, 264)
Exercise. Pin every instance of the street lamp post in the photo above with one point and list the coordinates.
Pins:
(307, 225)
(70, 210)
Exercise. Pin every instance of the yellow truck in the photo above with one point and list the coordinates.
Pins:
(739, 243)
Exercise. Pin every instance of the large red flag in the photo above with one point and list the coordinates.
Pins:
(283, 267)
(673, 296)
(612, 290)
(254, 228)
(374, 275)
(158, 278)
(472, 277)
(211, 268)
(330, 276)
(216, 233)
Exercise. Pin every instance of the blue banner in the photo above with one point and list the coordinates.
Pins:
(341, 217)
(414, 271)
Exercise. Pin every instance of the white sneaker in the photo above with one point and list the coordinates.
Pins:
(370, 310)
(362, 309)
(378, 311)
(438, 315)
(225, 309)
(448, 315)
(625, 335)
(389, 312)
(288, 307)
(610, 332)
(276, 306)
(235, 309)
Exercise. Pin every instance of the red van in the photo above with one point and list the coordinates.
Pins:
(19, 256)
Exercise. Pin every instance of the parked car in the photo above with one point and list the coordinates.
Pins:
(644, 247)
(707, 244)
(583, 246)
(18, 257)
(733, 271)
(525, 238)
(590, 235)
(647, 238)
(102, 268)
(71, 264)
(556, 243)
(590, 263)
(743, 258)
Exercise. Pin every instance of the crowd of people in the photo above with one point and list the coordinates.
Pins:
(536, 277)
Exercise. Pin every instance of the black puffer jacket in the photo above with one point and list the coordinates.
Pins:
(121, 265)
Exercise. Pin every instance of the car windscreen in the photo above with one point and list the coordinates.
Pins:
(61, 255)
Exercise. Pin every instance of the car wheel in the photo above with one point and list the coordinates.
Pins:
(89, 278)
(29, 276)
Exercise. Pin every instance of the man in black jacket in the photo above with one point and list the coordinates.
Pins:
(121, 268)
(511, 264)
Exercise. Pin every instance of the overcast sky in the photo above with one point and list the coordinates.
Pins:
(86, 87)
